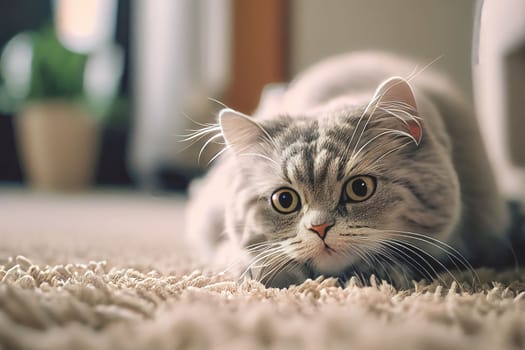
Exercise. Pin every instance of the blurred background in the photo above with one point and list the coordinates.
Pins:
(98, 94)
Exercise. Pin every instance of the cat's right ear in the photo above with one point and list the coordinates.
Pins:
(397, 90)
(239, 130)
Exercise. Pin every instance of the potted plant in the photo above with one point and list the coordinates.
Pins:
(56, 121)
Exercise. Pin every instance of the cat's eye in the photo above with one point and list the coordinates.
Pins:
(360, 188)
(285, 200)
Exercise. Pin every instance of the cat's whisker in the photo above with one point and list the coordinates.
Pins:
(195, 136)
(397, 105)
(218, 154)
(272, 143)
(259, 250)
(222, 104)
(378, 255)
(271, 253)
(283, 266)
(209, 131)
(365, 111)
(272, 262)
(391, 244)
(357, 125)
(274, 266)
(365, 256)
(270, 139)
(404, 117)
(265, 254)
(265, 250)
(387, 132)
(415, 249)
(451, 252)
(400, 114)
(373, 162)
(202, 125)
(380, 251)
(418, 71)
(390, 152)
(376, 102)
(416, 265)
(261, 156)
(356, 129)
(355, 154)
(206, 144)
(193, 132)
(254, 264)
(373, 103)
(271, 242)
(384, 254)
(248, 152)
(389, 257)
(288, 267)
(274, 243)
(360, 253)
(265, 241)
(200, 133)
(399, 268)
(262, 243)
(236, 262)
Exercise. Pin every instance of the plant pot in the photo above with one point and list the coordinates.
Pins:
(58, 142)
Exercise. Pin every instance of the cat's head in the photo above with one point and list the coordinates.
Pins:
(341, 186)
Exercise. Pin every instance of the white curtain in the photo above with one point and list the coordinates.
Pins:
(180, 55)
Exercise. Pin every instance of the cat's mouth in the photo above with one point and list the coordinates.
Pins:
(329, 250)
(327, 261)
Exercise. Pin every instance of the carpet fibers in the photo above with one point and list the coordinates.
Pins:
(122, 288)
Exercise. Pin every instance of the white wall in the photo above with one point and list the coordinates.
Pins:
(424, 29)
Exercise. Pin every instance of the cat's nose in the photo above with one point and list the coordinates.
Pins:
(321, 229)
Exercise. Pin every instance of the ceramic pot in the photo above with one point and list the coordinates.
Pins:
(58, 144)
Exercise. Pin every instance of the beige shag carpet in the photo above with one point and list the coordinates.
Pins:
(108, 271)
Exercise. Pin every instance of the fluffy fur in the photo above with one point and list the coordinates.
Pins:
(435, 203)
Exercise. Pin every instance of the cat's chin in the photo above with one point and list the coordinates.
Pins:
(330, 263)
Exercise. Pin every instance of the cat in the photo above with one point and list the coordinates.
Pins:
(362, 165)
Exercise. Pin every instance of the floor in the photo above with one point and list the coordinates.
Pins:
(143, 222)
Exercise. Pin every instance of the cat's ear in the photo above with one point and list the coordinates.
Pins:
(396, 89)
(239, 130)
(397, 92)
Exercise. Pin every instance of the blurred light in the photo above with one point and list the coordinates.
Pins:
(15, 65)
(84, 25)
(102, 75)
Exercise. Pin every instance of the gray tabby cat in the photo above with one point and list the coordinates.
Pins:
(362, 165)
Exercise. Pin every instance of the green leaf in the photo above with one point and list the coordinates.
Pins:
(56, 71)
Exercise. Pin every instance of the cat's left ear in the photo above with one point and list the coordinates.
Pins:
(397, 91)
(239, 130)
